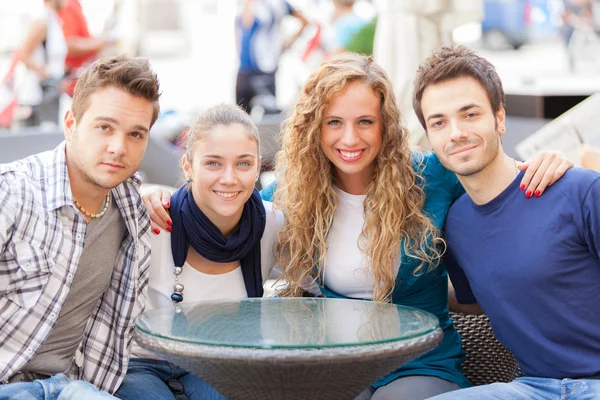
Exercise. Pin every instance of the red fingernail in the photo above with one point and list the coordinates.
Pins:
(537, 193)
(522, 186)
(167, 204)
(169, 222)
(156, 231)
(169, 229)
(528, 194)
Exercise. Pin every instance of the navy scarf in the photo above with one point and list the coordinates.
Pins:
(192, 228)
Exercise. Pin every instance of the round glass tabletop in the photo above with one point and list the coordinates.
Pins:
(292, 323)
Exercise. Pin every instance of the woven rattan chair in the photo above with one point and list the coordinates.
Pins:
(487, 360)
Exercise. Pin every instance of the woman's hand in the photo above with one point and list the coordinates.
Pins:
(544, 168)
(157, 200)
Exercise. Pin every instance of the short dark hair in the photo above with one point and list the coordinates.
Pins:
(133, 75)
(451, 62)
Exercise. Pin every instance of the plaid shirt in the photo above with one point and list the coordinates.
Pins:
(41, 239)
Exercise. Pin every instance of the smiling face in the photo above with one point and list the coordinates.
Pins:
(461, 126)
(223, 169)
(106, 145)
(351, 133)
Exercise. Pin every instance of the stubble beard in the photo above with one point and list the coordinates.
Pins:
(79, 167)
(490, 153)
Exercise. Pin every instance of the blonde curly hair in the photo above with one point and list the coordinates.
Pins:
(305, 185)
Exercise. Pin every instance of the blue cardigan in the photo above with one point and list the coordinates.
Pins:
(427, 290)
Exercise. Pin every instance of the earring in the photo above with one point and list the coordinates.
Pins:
(188, 180)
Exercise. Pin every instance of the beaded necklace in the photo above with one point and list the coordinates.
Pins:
(94, 215)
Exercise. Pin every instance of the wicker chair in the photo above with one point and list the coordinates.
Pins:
(487, 360)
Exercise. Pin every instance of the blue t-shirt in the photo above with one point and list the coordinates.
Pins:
(426, 290)
(533, 265)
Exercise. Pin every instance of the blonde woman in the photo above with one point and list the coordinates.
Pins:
(364, 213)
(219, 244)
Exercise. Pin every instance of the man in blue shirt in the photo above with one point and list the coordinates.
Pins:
(532, 266)
(259, 44)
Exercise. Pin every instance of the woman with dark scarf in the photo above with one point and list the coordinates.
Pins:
(219, 244)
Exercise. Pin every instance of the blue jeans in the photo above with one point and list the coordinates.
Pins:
(149, 379)
(57, 387)
(528, 388)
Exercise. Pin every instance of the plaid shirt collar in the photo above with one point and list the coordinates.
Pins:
(58, 185)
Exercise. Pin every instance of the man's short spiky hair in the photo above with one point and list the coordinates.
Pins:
(133, 75)
(451, 62)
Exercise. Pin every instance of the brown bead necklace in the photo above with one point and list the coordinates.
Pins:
(94, 215)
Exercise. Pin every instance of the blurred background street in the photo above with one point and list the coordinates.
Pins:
(549, 62)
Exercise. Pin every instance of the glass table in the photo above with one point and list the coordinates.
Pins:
(288, 348)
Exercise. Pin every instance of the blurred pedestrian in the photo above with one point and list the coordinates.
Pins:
(83, 48)
(337, 34)
(581, 26)
(43, 54)
(8, 96)
(345, 24)
(259, 43)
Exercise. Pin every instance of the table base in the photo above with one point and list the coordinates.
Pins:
(332, 373)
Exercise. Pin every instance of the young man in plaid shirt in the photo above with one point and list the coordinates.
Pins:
(74, 242)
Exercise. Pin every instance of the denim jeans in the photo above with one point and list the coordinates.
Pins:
(57, 387)
(413, 387)
(528, 388)
(149, 379)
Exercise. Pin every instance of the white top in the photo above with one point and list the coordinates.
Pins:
(347, 270)
(197, 285)
(53, 57)
(56, 45)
